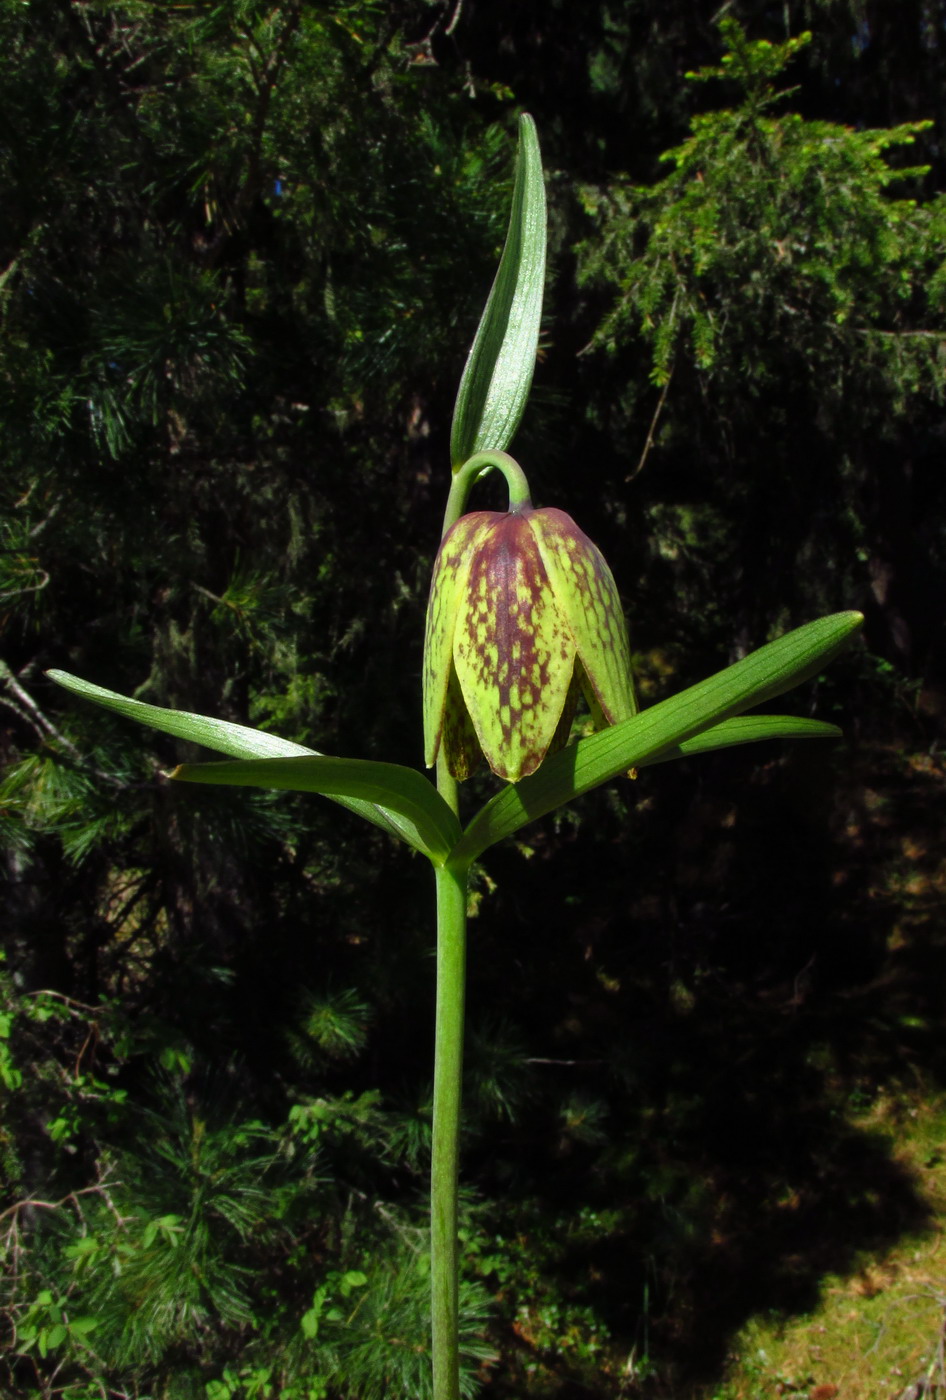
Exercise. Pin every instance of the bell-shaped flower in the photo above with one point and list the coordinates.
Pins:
(523, 614)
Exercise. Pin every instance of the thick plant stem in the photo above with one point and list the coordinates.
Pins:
(448, 1073)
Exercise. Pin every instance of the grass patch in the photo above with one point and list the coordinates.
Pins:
(878, 1331)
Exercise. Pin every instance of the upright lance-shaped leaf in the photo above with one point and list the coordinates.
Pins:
(498, 372)
(652, 735)
(399, 800)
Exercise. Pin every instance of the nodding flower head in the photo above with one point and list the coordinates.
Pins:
(523, 614)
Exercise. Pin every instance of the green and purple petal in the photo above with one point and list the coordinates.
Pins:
(451, 568)
(513, 653)
(588, 599)
(523, 612)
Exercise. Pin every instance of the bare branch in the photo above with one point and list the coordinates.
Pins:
(649, 441)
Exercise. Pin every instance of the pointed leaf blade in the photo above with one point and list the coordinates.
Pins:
(759, 677)
(498, 373)
(423, 812)
(235, 740)
(747, 729)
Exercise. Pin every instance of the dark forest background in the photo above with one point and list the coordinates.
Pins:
(243, 251)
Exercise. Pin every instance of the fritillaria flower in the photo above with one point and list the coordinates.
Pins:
(523, 614)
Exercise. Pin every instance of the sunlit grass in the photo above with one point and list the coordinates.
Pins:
(881, 1328)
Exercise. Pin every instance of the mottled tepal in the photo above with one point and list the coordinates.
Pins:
(523, 613)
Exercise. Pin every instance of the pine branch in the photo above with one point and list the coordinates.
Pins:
(44, 727)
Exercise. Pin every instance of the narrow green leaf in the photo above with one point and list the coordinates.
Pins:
(747, 729)
(498, 372)
(434, 828)
(236, 740)
(635, 742)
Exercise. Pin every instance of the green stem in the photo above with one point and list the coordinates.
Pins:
(448, 1045)
(448, 1074)
(448, 1084)
(477, 466)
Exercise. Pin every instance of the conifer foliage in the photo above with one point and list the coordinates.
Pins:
(214, 342)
